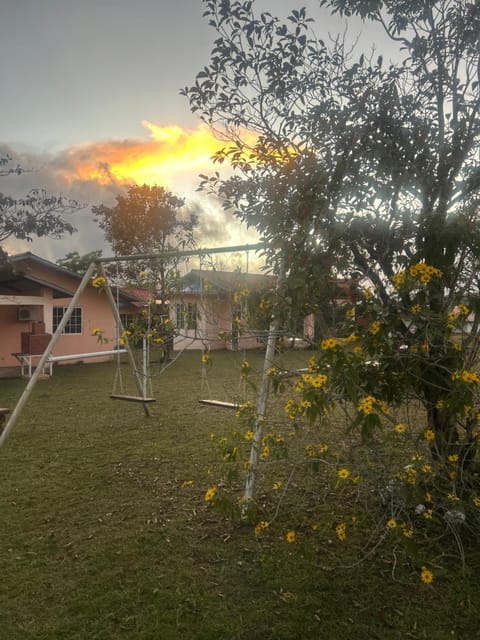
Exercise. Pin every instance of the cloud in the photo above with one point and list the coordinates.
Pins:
(95, 173)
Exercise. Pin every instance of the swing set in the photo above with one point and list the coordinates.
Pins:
(97, 267)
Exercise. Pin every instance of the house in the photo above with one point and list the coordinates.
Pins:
(34, 295)
(223, 310)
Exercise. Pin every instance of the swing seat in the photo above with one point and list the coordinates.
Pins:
(116, 396)
(220, 403)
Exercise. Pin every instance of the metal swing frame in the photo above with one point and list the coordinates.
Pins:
(97, 266)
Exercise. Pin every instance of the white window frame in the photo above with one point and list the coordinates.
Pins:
(74, 326)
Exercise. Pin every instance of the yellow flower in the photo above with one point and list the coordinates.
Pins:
(261, 526)
(470, 377)
(265, 452)
(400, 427)
(428, 514)
(375, 328)
(428, 434)
(392, 523)
(343, 473)
(248, 436)
(426, 575)
(205, 358)
(186, 483)
(411, 475)
(368, 293)
(399, 279)
(341, 531)
(318, 380)
(290, 536)
(423, 272)
(245, 367)
(322, 448)
(406, 530)
(329, 343)
(416, 308)
(453, 457)
(210, 494)
(277, 485)
(366, 406)
(476, 501)
(98, 282)
(310, 450)
(298, 386)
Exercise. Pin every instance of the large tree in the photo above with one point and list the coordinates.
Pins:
(366, 167)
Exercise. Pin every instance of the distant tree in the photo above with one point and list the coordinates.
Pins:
(77, 263)
(146, 220)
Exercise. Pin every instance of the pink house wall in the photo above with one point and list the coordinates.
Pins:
(215, 317)
(96, 313)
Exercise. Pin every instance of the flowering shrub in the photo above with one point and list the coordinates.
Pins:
(384, 418)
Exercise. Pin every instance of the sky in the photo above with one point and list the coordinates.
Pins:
(90, 82)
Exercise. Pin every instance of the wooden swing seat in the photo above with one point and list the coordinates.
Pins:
(115, 396)
(220, 403)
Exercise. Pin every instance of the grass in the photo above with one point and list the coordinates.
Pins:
(100, 541)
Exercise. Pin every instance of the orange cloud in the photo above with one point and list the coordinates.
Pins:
(170, 151)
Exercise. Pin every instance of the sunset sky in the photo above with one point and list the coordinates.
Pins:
(90, 83)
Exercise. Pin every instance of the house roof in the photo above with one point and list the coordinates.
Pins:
(224, 282)
(17, 278)
(23, 285)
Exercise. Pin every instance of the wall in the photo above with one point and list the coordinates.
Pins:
(96, 309)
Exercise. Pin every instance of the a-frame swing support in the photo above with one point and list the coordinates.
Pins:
(94, 266)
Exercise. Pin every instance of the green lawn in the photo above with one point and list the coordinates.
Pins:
(100, 540)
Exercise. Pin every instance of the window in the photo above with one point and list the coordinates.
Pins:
(127, 319)
(74, 324)
(186, 316)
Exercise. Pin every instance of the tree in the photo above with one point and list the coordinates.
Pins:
(366, 170)
(73, 261)
(145, 221)
(362, 166)
(36, 214)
